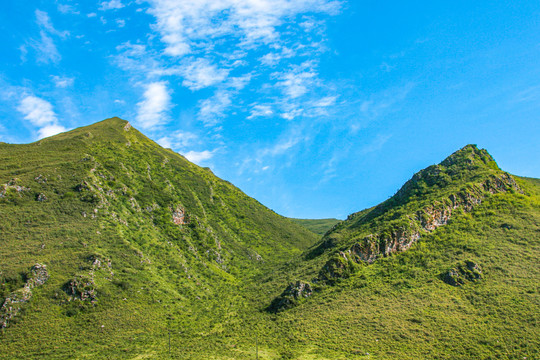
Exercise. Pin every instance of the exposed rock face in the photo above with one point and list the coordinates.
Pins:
(82, 287)
(428, 219)
(41, 197)
(40, 179)
(179, 216)
(12, 186)
(127, 127)
(14, 302)
(291, 295)
(468, 271)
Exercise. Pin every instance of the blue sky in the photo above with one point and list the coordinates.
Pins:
(317, 108)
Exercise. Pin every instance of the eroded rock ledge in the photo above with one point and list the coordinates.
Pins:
(14, 301)
(399, 238)
(374, 246)
(294, 293)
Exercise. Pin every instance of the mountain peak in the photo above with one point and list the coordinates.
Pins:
(470, 155)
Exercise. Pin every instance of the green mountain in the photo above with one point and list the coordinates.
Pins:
(112, 247)
(318, 226)
(136, 240)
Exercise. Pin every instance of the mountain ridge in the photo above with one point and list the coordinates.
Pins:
(143, 249)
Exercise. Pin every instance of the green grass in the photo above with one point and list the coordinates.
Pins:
(208, 282)
(318, 226)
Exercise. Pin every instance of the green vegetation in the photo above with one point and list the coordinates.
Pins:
(318, 226)
(141, 245)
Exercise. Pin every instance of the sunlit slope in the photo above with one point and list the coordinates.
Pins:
(318, 226)
(465, 287)
(135, 239)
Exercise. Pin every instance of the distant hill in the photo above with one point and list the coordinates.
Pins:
(447, 268)
(112, 247)
(318, 226)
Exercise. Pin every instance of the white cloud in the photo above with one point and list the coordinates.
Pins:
(91, 15)
(239, 82)
(298, 80)
(201, 73)
(199, 157)
(40, 113)
(62, 82)
(326, 101)
(67, 9)
(151, 111)
(50, 130)
(260, 111)
(111, 5)
(212, 109)
(121, 22)
(46, 49)
(271, 59)
(292, 113)
(44, 21)
(185, 25)
(178, 140)
(282, 146)
(45, 46)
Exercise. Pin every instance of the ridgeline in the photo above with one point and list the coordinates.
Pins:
(112, 247)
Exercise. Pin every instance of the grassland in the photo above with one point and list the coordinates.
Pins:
(203, 284)
(318, 226)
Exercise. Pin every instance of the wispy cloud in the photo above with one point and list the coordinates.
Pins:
(260, 111)
(297, 80)
(45, 47)
(178, 140)
(151, 111)
(222, 44)
(68, 9)
(111, 5)
(212, 109)
(62, 82)
(44, 22)
(186, 26)
(199, 157)
(40, 113)
(201, 73)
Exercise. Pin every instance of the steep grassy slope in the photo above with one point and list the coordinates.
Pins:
(318, 226)
(398, 304)
(144, 249)
(135, 238)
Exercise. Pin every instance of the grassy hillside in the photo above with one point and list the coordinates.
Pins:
(318, 226)
(135, 238)
(399, 304)
(144, 249)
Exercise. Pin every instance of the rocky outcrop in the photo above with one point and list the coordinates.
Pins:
(15, 301)
(12, 186)
(374, 246)
(468, 271)
(291, 296)
(83, 287)
(179, 216)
